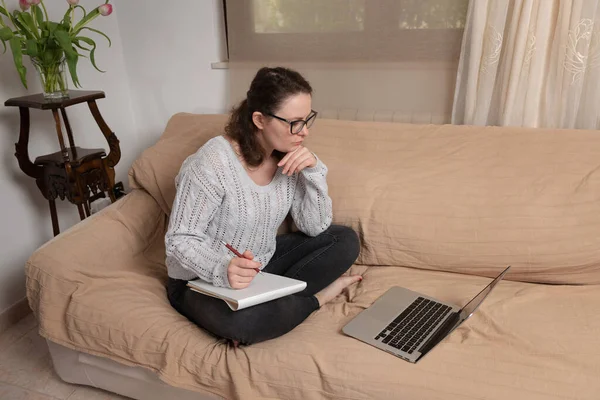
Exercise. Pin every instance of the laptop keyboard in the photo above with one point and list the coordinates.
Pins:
(408, 330)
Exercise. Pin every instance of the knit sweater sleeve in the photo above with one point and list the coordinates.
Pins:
(199, 195)
(311, 207)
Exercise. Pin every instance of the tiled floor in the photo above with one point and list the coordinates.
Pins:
(26, 371)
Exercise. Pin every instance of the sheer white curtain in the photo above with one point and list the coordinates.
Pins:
(530, 63)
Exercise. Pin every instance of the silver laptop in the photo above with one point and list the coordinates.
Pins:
(408, 324)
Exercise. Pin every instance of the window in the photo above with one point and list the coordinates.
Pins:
(433, 14)
(345, 30)
(313, 16)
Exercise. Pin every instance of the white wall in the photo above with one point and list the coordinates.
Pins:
(168, 49)
(158, 65)
(418, 92)
(23, 211)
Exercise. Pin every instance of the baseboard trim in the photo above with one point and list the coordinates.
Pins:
(14, 314)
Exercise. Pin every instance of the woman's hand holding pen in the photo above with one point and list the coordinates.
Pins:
(242, 270)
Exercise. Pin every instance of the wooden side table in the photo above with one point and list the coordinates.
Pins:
(77, 174)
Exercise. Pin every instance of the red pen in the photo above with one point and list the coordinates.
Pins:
(237, 253)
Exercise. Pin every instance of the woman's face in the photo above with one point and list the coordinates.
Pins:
(276, 133)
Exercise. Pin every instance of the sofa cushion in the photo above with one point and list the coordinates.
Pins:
(451, 198)
(526, 341)
(155, 170)
(469, 199)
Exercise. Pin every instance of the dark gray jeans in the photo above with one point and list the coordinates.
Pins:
(316, 260)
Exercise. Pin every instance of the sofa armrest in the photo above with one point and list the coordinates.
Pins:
(123, 230)
(79, 279)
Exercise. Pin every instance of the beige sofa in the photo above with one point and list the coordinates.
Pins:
(439, 209)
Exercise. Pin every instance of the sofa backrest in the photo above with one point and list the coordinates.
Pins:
(155, 170)
(452, 198)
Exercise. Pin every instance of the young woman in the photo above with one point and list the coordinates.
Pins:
(238, 188)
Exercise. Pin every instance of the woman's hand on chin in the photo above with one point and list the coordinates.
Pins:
(295, 161)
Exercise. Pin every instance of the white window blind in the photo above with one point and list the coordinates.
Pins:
(345, 30)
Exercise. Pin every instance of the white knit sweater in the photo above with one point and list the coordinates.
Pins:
(218, 201)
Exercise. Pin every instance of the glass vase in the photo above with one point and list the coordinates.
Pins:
(53, 76)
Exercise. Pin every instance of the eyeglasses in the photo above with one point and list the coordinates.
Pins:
(297, 125)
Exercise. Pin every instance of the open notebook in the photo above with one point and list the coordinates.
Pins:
(264, 287)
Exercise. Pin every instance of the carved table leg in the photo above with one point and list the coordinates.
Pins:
(111, 195)
(81, 212)
(114, 154)
(87, 208)
(54, 217)
(22, 148)
(68, 127)
(29, 168)
(61, 140)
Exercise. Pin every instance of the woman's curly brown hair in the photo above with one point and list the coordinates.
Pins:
(268, 90)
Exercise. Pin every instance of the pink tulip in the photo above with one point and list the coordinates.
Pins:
(24, 4)
(105, 9)
(73, 2)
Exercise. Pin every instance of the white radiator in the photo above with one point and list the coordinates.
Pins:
(350, 114)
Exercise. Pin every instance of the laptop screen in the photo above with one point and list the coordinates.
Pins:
(472, 305)
(457, 319)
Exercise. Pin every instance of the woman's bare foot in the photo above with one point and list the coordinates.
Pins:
(335, 288)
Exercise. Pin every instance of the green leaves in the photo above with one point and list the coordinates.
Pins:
(66, 21)
(32, 48)
(27, 20)
(92, 50)
(99, 33)
(72, 64)
(64, 40)
(21, 27)
(82, 9)
(93, 14)
(51, 27)
(48, 43)
(15, 46)
(6, 34)
(39, 15)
